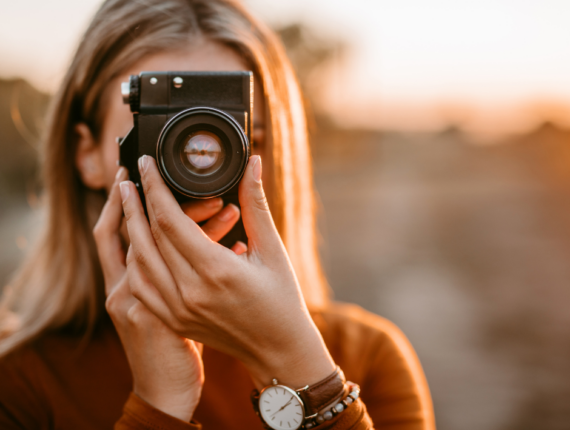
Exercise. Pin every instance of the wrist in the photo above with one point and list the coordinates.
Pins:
(300, 364)
(305, 407)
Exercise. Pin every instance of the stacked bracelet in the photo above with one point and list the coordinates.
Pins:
(337, 408)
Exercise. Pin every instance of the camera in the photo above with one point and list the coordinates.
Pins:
(198, 127)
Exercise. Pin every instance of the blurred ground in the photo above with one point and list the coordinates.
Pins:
(464, 246)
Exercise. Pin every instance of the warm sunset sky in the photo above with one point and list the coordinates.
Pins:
(413, 64)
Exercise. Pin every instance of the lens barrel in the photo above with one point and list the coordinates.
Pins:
(202, 152)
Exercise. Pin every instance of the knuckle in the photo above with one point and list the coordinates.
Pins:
(111, 304)
(135, 289)
(128, 214)
(139, 316)
(134, 316)
(164, 221)
(222, 276)
(140, 257)
(155, 230)
(215, 274)
(207, 271)
(114, 307)
(148, 184)
(98, 231)
(260, 202)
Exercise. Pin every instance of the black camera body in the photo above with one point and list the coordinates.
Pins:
(198, 127)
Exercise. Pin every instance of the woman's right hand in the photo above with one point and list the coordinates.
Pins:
(167, 368)
(249, 307)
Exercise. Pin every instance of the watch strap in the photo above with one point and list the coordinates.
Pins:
(314, 397)
(317, 396)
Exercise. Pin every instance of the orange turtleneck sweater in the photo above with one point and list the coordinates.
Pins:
(58, 383)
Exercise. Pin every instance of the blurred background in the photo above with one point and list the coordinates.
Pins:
(441, 144)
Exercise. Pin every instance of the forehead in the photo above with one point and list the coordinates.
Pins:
(204, 55)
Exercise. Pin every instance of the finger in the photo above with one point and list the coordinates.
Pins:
(239, 247)
(107, 236)
(221, 224)
(143, 247)
(201, 210)
(144, 291)
(176, 262)
(257, 220)
(168, 222)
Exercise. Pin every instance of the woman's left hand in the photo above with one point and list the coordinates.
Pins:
(167, 368)
(248, 306)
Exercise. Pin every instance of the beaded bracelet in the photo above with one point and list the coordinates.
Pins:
(337, 408)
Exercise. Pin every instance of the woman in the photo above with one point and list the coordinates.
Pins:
(262, 311)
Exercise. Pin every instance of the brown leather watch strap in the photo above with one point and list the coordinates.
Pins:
(317, 396)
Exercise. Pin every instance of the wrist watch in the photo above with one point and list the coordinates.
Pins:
(284, 408)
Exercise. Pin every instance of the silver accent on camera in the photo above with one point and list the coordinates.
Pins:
(177, 82)
(153, 81)
(125, 91)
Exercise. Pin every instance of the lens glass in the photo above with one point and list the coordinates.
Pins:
(202, 153)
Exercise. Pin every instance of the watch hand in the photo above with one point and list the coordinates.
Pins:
(284, 406)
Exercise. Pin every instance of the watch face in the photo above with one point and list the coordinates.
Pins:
(281, 408)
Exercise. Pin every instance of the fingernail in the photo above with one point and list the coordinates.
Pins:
(256, 168)
(119, 173)
(213, 203)
(143, 164)
(125, 190)
(227, 213)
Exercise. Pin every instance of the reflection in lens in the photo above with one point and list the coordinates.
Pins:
(203, 152)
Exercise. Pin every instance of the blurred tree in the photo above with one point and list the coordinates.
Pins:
(22, 109)
(313, 56)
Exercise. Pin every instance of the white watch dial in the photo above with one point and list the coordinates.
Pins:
(281, 408)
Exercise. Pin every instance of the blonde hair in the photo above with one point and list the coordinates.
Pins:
(60, 284)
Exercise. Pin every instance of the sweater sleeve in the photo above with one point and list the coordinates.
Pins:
(395, 389)
(139, 415)
(394, 393)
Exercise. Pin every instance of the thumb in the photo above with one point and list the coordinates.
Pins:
(257, 220)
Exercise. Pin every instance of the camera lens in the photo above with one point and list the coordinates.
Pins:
(203, 153)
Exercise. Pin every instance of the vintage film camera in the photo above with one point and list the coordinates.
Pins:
(198, 127)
